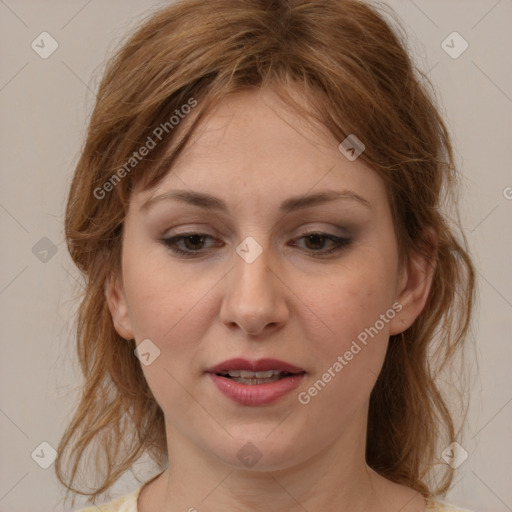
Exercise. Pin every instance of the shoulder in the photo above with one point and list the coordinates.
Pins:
(126, 503)
(437, 505)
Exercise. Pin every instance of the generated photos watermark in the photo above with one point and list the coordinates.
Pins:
(145, 149)
(304, 397)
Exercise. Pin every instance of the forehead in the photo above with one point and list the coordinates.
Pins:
(258, 122)
(252, 146)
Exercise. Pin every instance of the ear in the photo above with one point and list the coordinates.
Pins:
(413, 287)
(116, 300)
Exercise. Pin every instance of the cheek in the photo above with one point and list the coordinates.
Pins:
(165, 302)
(160, 293)
(350, 357)
(357, 306)
(352, 301)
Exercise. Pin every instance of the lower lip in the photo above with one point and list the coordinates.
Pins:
(256, 394)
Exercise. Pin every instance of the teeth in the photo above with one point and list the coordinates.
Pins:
(252, 382)
(268, 373)
(253, 375)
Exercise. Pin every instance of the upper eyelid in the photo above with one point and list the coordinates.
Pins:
(345, 230)
(309, 231)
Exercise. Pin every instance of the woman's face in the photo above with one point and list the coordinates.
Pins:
(256, 286)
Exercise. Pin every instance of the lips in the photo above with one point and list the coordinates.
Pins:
(255, 383)
(260, 365)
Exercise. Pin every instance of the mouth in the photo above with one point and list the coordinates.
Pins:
(255, 383)
(262, 371)
(252, 378)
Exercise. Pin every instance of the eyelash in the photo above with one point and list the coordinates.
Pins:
(341, 243)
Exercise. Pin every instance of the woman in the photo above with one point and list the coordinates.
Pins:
(258, 214)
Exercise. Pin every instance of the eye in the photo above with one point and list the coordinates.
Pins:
(191, 244)
(316, 238)
(191, 241)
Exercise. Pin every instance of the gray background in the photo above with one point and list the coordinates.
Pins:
(45, 105)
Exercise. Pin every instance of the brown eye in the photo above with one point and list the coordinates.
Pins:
(192, 243)
(314, 241)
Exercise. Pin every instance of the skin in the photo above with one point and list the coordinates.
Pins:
(287, 304)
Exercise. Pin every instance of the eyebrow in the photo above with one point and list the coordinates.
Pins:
(208, 201)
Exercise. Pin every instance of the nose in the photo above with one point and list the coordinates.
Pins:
(254, 297)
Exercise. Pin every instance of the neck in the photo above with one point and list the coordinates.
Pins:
(335, 478)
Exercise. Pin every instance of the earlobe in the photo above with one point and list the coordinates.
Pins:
(413, 291)
(116, 301)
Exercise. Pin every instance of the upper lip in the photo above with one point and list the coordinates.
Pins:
(260, 365)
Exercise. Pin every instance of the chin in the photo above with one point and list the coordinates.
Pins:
(259, 453)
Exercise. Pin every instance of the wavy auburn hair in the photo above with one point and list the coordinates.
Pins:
(355, 72)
